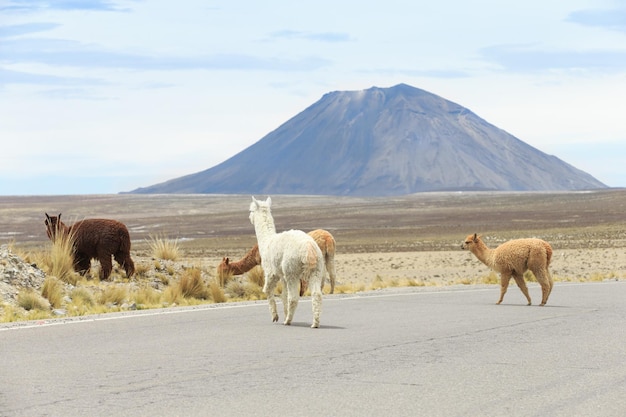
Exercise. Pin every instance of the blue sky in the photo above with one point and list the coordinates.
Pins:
(103, 96)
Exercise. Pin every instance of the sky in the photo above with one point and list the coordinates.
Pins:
(105, 96)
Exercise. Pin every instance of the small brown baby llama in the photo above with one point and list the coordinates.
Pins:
(512, 259)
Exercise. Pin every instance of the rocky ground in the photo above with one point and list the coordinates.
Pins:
(16, 274)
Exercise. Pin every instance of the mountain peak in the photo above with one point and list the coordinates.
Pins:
(383, 141)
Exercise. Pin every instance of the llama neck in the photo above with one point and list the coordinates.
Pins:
(483, 253)
(62, 230)
(249, 261)
(264, 227)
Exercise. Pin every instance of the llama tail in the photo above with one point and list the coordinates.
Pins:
(330, 247)
(548, 253)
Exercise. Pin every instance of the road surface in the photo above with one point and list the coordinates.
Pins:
(399, 352)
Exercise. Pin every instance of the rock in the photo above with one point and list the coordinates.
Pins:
(16, 274)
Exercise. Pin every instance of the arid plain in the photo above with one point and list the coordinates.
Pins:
(416, 237)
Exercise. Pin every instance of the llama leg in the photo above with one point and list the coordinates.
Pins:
(268, 289)
(293, 296)
(125, 262)
(519, 280)
(283, 297)
(106, 266)
(316, 304)
(550, 282)
(546, 286)
(330, 267)
(82, 263)
(504, 285)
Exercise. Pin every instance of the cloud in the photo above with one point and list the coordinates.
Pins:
(29, 6)
(526, 58)
(312, 36)
(613, 19)
(416, 72)
(56, 52)
(26, 28)
(19, 77)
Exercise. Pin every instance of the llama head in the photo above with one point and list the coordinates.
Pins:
(223, 266)
(258, 206)
(470, 240)
(53, 225)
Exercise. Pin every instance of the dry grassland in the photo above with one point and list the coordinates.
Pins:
(408, 240)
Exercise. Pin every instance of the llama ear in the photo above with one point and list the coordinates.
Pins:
(226, 261)
(475, 237)
(269, 201)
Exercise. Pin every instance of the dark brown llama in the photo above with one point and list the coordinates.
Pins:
(95, 239)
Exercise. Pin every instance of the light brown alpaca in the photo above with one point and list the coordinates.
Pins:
(324, 240)
(512, 259)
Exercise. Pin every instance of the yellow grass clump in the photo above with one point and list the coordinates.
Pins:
(192, 286)
(113, 295)
(53, 290)
(217, 292)
(58, 261)
(256, 276)
(163, 248)
(30, 300)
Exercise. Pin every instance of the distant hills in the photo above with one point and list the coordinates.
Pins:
(383, 142)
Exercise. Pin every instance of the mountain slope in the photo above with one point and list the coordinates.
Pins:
(383, 141)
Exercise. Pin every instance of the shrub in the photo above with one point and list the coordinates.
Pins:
(192, 285)
(163, 248)
(30, 300)
(141, 270)
(146, 297)
(224, 277)
(256, 276)
(216, 292)
(82, 297)
(9, 313)
(113, 294)
(173, 295)
(53, 290)
(60, 259)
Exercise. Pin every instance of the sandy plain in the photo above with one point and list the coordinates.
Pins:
(416, 237)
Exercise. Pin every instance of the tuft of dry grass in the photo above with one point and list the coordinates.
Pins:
(192, 286)
(217, 292)
(146, 297)
(53, 290)
(163, 248)
(492, 278)
(173, 295)
(256, 276)
(9, 314)
(58, 261)
(30, 300)
(82, 296)
(141, 269)
(224, 277)
(113, 295)
(377, 283)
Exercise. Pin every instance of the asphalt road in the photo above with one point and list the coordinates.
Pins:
(405, 352)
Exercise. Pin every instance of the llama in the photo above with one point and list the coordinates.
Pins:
(95, 239)
(512, 259)
(289, 256)
(322, 237)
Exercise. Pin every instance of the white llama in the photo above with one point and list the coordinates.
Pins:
(289, 256)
